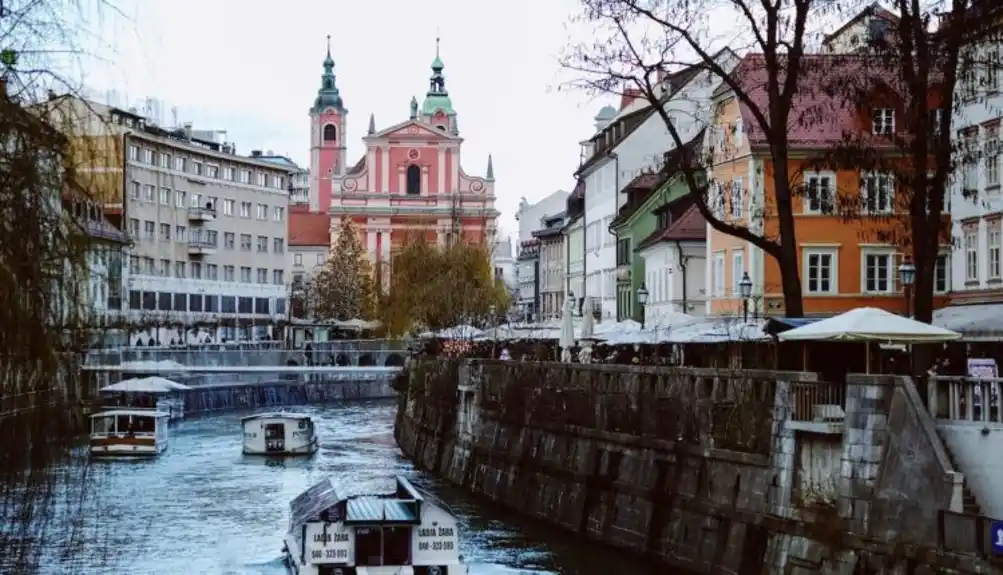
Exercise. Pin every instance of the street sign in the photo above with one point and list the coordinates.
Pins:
(996, 536)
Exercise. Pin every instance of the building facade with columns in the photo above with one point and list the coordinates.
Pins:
(409, 183)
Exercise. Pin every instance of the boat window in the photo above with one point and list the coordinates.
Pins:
(368, 546)
(144, 424)
(396, 545)
(275, 431)
(123, 424)
(304, 423)
(103, 425)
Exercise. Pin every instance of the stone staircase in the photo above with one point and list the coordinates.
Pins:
(969, 503)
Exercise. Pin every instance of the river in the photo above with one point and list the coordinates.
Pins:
(204, 508)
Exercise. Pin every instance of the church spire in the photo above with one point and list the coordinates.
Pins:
(490, 175)
(437, 97)
(328, 95)
(372, 124)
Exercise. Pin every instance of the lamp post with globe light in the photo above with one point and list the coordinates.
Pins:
(642, 299)
(907, 275)
(745, 287)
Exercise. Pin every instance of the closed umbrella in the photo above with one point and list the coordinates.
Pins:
(567, 339)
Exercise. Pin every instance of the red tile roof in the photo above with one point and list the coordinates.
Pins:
(833, 88)
(690, 227)
(309, 229)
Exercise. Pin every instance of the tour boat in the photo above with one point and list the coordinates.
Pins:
(163, 394)
(279, 434)
(129, 432)
(390, 534)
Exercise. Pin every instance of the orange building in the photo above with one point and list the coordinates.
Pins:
(850, 223)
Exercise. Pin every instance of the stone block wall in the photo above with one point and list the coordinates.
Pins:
(281, 393)
(673, 464)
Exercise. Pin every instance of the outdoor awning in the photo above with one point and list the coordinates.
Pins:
(977, 322)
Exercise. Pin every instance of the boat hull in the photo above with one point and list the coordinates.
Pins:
(301, 450)
(139, 447)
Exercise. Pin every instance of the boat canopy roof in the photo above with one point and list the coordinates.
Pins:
(322, 503)
(275, 415)
(135, 412)
(145, 385)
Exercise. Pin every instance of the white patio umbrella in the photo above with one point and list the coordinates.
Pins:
(868, 324)
(567, 339)
(146, 385)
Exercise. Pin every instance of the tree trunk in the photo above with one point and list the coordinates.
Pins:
(787, 258)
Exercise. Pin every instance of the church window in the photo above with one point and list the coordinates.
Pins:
(441, 127)
(413, 180)
(330, 133)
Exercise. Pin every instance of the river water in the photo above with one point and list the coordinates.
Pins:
(204, 508)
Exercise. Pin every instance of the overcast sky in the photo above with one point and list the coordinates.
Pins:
(253, 68)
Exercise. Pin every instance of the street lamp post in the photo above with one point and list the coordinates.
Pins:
(642, 298)
(494, 330)
(745, 287)
(907, 275)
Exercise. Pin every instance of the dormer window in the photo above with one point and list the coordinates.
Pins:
(883, 122)
(877, 30)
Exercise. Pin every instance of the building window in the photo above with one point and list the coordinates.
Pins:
(970, 164)
(278, 214)
(134, 227)
(228, 207)
(228, 273)
(262, 244)
(179, 270)
(212, 272)
(878, 192)
(245, 209)
(278, 277)
(165, 268)
(818, 192)
(245, 242)
(179, 233)
(972, 254)
(165, 196)
(717, 275)
(211, 171)
(320, 259)
(165, 232)
(229, 239)
(262, 276)
(278, 245)
(298, 260)
(259, 179)
(180, 163)
(623, 252)
(262, 212)
(941, 274)
(413, 180)
(992, 156)
(994, 250)
(228, 174)
(736, 198)
(165, 160)
(330, 133)
(149, 228)
(134, 190)
(820, 271)
(883, 121)
(148, 192)
(878, 269)
(133, 153)
(196, 270)
(245, 274)
(737, 271)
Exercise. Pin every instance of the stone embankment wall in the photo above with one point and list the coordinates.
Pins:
(280, 394)
(694, 468)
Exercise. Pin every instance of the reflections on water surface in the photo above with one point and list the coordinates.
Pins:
(203, 507)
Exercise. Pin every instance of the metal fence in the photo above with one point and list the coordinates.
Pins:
(969, 533)
(817, 401)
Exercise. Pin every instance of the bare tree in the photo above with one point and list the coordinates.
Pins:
(648, 38)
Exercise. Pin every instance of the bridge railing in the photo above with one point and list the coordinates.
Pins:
(349, 351)
(969, 533)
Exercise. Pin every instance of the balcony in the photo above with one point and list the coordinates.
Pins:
(201, 214)
(200, 247)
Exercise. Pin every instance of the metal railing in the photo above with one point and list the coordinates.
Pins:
(202, 244)
(965, 398)
(967, 533)
(817, 401)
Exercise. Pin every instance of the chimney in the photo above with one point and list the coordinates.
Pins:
(188, 130)
(628, 97)
(255, 153)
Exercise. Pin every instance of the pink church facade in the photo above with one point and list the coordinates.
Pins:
(409, 182)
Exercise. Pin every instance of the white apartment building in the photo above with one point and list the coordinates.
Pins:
(675, 268)
(626, 143)
(299, 178)
(976, 199)
(208, 227)
(552, 267)
(532, 217)
(503, 263)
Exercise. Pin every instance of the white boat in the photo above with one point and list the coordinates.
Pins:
(279, 434)
(392, 534)
(161, 392)
(129, 432)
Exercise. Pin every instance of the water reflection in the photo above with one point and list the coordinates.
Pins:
(204, 507)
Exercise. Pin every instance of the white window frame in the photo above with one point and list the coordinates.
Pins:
(871, 182)
(889, 256)
(971, 247)
(991, 145)
(738, 132)
(994, 248)
(737, 271)
(807, 177)
(717, 274)
(946, 256)
(833, 254)
(228, 207)
(883, 121)
(737, 197)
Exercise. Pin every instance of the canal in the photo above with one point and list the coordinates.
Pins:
(203, 507)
